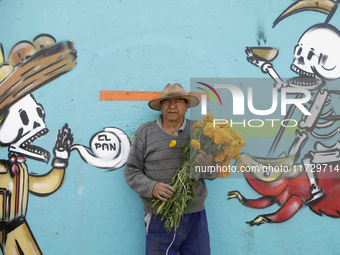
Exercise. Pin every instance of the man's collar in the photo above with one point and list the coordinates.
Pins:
(180, 130)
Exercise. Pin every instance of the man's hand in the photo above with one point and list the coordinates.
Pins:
(203, 159)
(162, 191)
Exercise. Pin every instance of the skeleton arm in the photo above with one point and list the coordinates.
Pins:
(47, 184)
(266, 67)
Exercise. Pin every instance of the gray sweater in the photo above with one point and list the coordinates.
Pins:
(152, 160)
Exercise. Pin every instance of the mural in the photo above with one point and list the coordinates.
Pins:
(30, 66)
(126, 52)
(314, 179)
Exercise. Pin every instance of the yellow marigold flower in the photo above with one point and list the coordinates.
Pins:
(227, 163)
(209, 130)
(222, 137)
(223, 175)
(173, 143)
(218, 138)
(225, 170)
(235, 143)
(227, 125)
(237, 134)
(241, 168)
(231, 153)
(220, 156)
(198, 124)
(195, 144)
(208, 117)
(243, 143)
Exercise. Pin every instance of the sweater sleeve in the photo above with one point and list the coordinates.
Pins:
(209, 176)
(134, 169)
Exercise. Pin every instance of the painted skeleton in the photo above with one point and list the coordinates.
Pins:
(317, 58)
(22, 125)
(29, 66)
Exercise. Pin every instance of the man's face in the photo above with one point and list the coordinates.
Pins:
(174, 109)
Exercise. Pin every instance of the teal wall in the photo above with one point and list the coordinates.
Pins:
(141, 46)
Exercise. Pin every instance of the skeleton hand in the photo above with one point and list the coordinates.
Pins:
(259, 220)
(236, 194)
(63, 143)
(266, 67)
(252, 59)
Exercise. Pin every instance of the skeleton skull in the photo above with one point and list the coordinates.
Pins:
(318, 53)
(23, 124)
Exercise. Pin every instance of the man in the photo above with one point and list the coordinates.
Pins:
(151, 165)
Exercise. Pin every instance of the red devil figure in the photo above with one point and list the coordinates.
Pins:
(290, 189)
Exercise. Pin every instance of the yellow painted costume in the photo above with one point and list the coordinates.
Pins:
(15, 234)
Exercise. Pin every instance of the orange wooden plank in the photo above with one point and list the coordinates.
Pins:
(115, 95)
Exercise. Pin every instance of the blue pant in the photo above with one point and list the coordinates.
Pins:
(192, 236)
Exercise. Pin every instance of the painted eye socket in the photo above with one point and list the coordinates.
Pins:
(310, 55)
(298, 50)
(24, 117)
(40, 112)
(322, 59)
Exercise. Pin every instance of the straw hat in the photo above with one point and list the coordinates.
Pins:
(34, 71)
(171, 91)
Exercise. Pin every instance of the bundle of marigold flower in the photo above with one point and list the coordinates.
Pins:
(221, 143)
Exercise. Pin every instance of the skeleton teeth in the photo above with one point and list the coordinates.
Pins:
(304, 83)
(301, 72)
(34, 149)
(35, 137)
